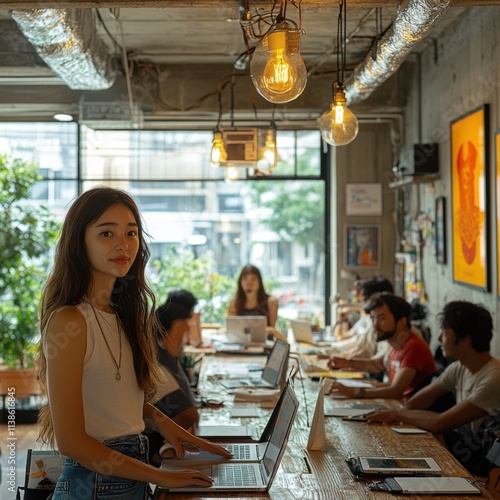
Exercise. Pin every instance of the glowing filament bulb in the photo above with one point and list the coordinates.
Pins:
(269, 151)
(218, 153)
(279, 74)
(339, 113)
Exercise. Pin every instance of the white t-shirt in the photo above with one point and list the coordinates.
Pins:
(112, 407)
(480, 388)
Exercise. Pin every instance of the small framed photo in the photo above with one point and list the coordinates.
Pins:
(441, 230)
(363, 199)
(362, 246)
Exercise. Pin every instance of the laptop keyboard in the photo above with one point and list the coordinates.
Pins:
(236, 475)
(240, 452)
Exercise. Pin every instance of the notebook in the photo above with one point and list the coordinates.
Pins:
(275, 366)
(428, 486)
(246, 329)
(394, 466)
(246, 475)
(302, 332)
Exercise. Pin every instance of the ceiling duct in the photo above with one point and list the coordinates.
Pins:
(66, 39)
(410, 26)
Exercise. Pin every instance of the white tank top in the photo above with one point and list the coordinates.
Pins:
(112, 407)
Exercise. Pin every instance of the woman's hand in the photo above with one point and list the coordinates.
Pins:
(180, 478)
(176, 435)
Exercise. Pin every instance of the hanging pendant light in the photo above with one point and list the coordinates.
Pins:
(339, 126)
(269, 154)
(277, 69)
(218, 153)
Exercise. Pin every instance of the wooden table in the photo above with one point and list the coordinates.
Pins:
(323, 475)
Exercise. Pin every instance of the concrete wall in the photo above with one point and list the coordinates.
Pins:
(466, 75)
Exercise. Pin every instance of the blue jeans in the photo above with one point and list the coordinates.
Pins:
(79, 483)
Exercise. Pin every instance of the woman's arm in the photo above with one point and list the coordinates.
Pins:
(272, 307)
(65, 346)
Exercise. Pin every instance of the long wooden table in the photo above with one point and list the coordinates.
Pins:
(320, 475)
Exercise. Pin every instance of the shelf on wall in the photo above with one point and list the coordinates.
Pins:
(398, 181)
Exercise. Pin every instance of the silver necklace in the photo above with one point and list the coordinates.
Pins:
(119, 363)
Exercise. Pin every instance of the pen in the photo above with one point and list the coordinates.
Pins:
(308, 465)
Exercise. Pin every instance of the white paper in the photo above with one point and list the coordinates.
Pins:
(406, 430)
(243, 412)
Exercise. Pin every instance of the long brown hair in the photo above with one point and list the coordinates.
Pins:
(262, 296)
(131, 298)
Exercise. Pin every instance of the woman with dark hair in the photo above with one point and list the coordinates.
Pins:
(97, 356)
(251, 298)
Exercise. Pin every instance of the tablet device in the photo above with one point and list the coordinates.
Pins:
(430, 486)
(391, 466)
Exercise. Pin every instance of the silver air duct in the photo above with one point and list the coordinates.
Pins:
(66, 39)
(410, 26)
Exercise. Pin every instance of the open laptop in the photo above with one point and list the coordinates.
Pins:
(249, 451)
(394, 466)
(247, 475)
(302, 332)
(273, 371)
(246, 329)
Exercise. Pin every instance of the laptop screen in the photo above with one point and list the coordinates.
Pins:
(279, 435)
(276, 362)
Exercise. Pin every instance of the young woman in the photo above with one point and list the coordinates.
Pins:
(251, 297)
(97, 356)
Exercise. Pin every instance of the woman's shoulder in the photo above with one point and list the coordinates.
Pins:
(66, 317)
(272, 300)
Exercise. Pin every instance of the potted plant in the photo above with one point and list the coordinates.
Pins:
(27, 233)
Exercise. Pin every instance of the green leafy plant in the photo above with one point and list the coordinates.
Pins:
(27, 233)
(180, 268)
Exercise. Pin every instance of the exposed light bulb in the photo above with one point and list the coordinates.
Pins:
(231, 174)
(339, 126)
(218, 153)
(269, 151)
(277, 68)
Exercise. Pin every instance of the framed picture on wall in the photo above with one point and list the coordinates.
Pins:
(362, 245)
(440, 230)
(469, 213)
(363, 199)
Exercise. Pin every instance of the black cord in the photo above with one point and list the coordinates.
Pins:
(296, 358)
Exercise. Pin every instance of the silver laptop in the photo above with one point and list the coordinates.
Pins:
(246, 475)
(302, 331)
(246, 329)
(273, 371)
(249, 451)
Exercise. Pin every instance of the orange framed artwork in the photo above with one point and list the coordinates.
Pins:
(469, 180)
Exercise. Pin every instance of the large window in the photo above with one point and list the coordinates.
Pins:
(190, 211)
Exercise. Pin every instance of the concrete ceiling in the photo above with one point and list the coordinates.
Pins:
(181, 56)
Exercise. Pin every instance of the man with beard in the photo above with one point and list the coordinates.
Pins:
(410, 363)
(474, 379)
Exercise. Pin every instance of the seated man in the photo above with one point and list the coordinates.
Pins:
(410, 363)
(174, 396)
(360, 340)
(466, 332)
